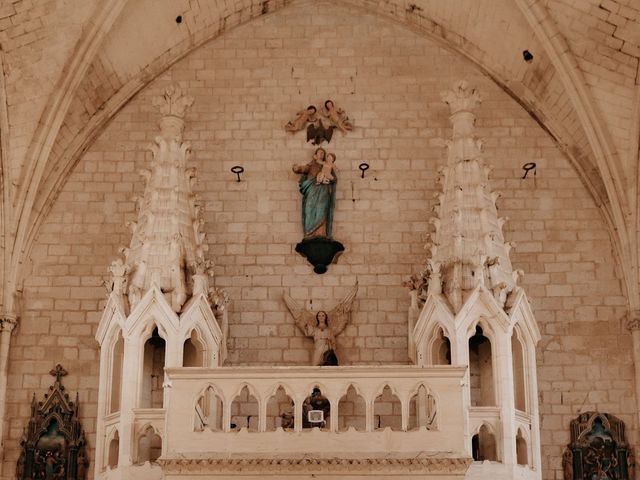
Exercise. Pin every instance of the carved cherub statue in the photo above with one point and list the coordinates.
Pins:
(323, 327)
(328, 167)
(337, 117)
(303, 117)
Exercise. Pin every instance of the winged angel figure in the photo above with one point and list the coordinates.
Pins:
(322, 326)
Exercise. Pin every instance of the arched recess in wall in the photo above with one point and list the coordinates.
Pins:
(439, 348)
(484, 445)
(193, 351)
(519, 371)
(522, 448)
(60, 165)
(208, 411)
(149, 445)
(154, 353)
(481, 370)
(117, 359)
(113, 451)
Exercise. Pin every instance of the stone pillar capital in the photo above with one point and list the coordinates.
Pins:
(8, 322)
(632, 321)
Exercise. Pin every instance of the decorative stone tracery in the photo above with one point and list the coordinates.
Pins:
(162, 310)
(467, 308)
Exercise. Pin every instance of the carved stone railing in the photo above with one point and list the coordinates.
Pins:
(185, 443)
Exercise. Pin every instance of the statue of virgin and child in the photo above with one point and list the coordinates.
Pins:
(318, 188)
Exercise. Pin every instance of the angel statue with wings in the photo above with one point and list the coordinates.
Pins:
(322, 326)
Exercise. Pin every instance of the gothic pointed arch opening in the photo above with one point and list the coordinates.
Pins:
(245, 411)
(152, 392)
(117, 360)
(208, 411)
(481, 370)
(440, 348)
(280, 411)
(149, 446)
(519, 372)
(522, 449)
(484, 445)
(422, 410)
(352, 411)
(387, 410)
(193, 351)
(114, 451)
(316, 410)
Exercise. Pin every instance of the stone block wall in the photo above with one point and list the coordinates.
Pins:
(247, 85)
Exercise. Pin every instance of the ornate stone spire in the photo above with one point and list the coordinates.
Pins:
(168, 243)
(467, 247)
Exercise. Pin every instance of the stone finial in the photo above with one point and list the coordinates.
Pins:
(173, 102)
(461, 97)
(172, 105)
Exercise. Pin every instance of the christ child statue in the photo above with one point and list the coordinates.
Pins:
(328, 167)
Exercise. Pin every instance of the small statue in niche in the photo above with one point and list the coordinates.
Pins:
(323, 327)
(318, 402)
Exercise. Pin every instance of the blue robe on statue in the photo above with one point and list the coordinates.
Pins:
(318, 202)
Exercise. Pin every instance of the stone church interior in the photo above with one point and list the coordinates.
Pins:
(319, 239)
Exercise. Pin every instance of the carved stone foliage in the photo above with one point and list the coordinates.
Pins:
(53, 445)
(598, 449)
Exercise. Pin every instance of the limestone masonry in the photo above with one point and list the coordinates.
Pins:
(491, 310)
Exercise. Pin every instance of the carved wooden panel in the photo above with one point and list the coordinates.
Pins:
(53, 445)
(598, 449)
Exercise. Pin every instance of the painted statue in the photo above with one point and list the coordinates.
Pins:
(323, 327)
(337, 117)
(326, 175)
(318, 194)
(312, 120)
(303, 117)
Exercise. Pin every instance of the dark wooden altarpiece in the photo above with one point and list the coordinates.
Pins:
(598, 449)
(53, 445)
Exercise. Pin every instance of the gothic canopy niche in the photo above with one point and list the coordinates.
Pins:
(598, 449)
(53, 445)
